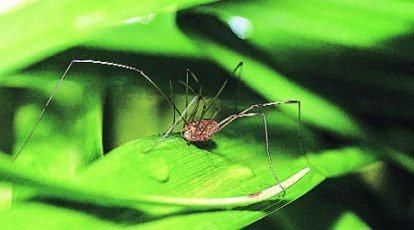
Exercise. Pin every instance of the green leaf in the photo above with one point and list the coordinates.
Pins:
(36, 36)
(347, 61)
(307, 52)
(134, 175)
(127, 177)
(124, 179)
(350, 220)
(5, 196)
(34, 215)
(82, 118)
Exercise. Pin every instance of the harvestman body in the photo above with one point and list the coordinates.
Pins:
(192, 131)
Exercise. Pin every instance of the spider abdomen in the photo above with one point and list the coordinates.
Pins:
(200, 130)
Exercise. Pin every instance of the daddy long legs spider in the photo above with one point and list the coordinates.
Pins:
(193, 130)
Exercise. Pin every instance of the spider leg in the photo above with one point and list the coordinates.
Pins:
(195, 99)
(238, 85)
(246, 113)
(240, 115)
(96, 62)
(271, 103)
(200, 89)
(169, 131)
(224, 85)
(42, 113)
(172, 100)
(140, 72)
(195, 109)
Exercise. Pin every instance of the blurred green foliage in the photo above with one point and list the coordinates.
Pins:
(349, 62)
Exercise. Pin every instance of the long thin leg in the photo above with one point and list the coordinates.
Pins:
(207, 106)
(266, 143)
(42, 113)
(180, 118)
(226, 121)
(203, 111)
(129, 68)
(172, 100)
(224, 85)
(195, 109)
(237, 94)
(301, 146)
(245, 113)
(166, 134)
(189, 72)
(201, 98)
(186, 93)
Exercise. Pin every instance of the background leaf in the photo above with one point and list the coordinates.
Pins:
(349, 62)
